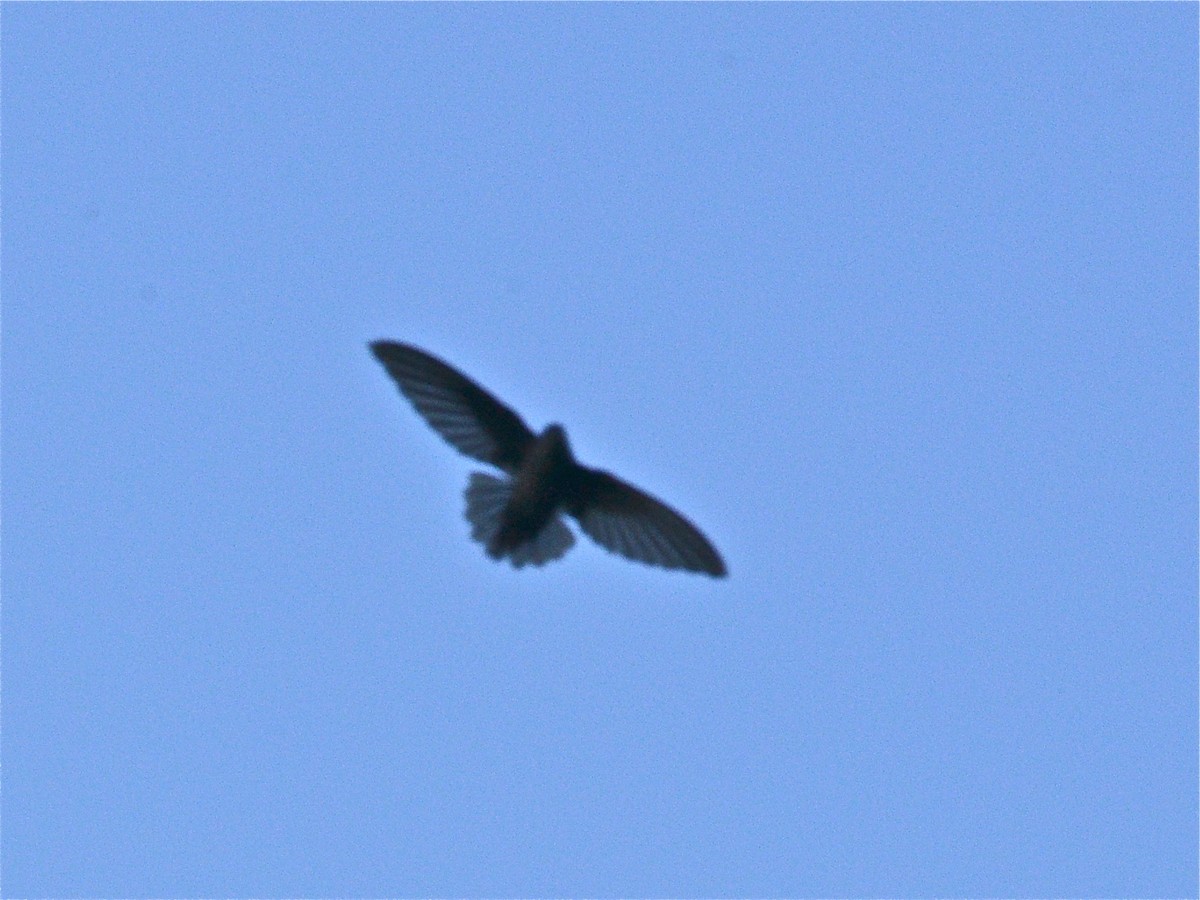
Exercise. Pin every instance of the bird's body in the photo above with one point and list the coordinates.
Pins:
(518, 517)
(541, 487)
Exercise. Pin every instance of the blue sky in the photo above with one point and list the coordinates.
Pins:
(898, 302)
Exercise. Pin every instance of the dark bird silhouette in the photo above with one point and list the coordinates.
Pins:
(517, 517)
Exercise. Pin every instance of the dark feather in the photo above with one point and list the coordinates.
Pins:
(468, 417)
(630, 522)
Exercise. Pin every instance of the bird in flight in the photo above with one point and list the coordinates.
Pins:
(517, 517)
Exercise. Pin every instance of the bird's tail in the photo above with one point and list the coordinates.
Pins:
(487, 499)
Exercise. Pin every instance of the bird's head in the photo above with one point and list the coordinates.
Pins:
(556, 436)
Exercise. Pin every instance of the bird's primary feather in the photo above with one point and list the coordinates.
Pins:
(467, 416)
(630, 522)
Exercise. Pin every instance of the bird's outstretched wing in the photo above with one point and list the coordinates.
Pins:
(628, 521)
(462, 412)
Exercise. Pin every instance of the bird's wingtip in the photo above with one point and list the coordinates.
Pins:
(716, 568)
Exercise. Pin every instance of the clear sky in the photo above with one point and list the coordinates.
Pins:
(897, 302)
